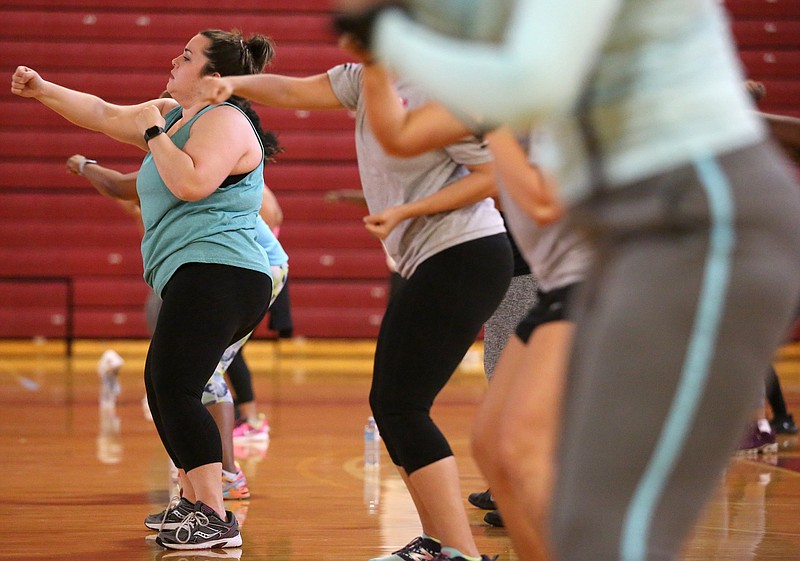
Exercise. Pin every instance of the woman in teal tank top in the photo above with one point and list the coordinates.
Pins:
(200, 188)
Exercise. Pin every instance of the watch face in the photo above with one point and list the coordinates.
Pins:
(152, 132)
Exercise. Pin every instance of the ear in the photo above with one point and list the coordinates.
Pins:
(216, 75)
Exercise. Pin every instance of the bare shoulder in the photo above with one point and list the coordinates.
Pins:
(223, 119)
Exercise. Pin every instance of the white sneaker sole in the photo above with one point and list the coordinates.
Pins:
(235, 541)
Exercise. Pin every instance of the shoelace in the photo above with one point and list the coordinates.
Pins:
(416, 547)
(174, 501)
(193, 519)
(412, 544)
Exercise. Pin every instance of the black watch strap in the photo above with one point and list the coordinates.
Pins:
(152, 132)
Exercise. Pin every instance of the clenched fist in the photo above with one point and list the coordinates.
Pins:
(26, 82)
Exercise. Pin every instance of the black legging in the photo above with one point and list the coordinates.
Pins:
(775, 395)
(206, 308)
(428, 327)
(280, 314)
(241, 379)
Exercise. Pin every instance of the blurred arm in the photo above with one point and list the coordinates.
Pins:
(539, 68)
(404, 133)
(108, 182)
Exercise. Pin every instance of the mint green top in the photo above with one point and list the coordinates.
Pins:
(220, 228)
(636, 87)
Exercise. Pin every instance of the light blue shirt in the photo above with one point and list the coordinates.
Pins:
(266, 239)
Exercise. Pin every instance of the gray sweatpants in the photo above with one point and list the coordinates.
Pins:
(697, 279)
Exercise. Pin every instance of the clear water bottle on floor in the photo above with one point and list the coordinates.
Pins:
(372, 444)
(108, 371)
(372, 488)
(372, 465)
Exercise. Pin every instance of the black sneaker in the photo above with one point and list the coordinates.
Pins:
(171, 517)
(418, 549)
(482, 500)
(784, 425)
(493, 518)
(202, 529)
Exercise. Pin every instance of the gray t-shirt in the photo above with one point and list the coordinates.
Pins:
(557, 255)
(388, 181)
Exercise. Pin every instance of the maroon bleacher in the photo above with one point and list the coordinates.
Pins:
(767, 33)
(54, 226)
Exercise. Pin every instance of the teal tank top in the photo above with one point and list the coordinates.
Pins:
(220, 228)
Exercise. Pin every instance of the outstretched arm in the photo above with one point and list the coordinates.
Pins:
(108, 182)
(310, 93)
(476, 186)
(355, 196)
(538, 68)
(86, 110)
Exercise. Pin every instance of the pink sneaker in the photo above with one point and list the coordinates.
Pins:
(235, 487)
(251, 430)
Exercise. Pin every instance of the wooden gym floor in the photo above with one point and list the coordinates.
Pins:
(77, 485)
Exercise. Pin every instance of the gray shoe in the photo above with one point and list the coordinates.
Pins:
(171, 517)
(202, 529)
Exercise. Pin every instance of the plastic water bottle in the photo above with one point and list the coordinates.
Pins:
(108, 370)
(372, 465)
(372, 488)
(372, 444)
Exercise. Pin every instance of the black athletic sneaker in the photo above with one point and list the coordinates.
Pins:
(493, 518)
(171, 517)
(482, 500)
(202, 529)
(784, 425)
(418, 549)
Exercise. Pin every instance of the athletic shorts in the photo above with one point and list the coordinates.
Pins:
(550, 306)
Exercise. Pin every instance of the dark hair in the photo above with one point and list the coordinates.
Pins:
(271, 145)
(230, 54)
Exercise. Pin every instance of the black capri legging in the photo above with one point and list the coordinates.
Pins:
(206, 308)
(241, 379)
(429, 325)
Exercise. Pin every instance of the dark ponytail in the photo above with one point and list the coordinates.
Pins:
(262, 50)
(271, 145)
(230, 54)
